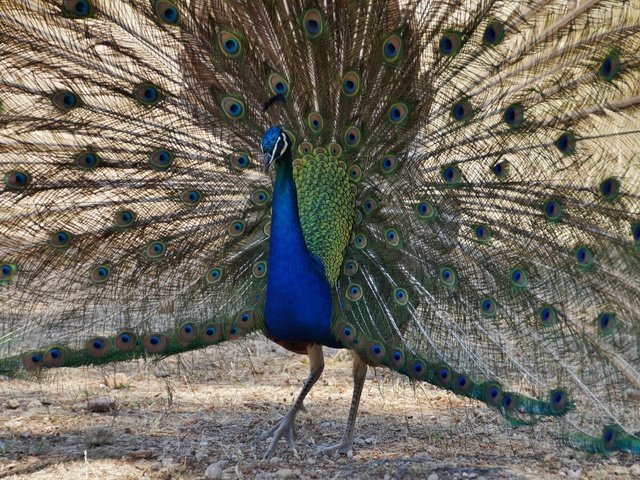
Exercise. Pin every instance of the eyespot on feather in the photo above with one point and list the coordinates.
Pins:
(610, 66)
(350, 83)
(78, 8)
(335, 150)
(54, 357)
(124, 219)
(229, 43)
(350, 267)
(232, 107)
(278, 85)
(352, 136)
(315, 122)
(518, 278)
(236, 228)
(246, 320)
(462, 111)
(353, 292)
(448, 276)
(213, 275)
(191, 197)
(32, 361)
(398, 113)
(547, 315)
(65, 100)
(313, 23)
(451, 175)
(60, 239)
(98, 347)
(493, 33)
(210, 333)
(355, 173)
(513, 115)
(126, 341)
(166, 11)
(392, 48)
(155, 343)
(610, 189)
(347, 335)
(88, 160)
(376, 352)
(147, 93)
(426, 211)
(417, 369)
(450, 43)
(259, 269)
(239, 160)
(187, 333)
(7, 272)
(396, 358)
(155, 249)
(100, 274)
(462, 384)
(17, 180)
(161, 159)
(260, 197)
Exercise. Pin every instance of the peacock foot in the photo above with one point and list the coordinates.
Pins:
(345, 447)
(286, 428)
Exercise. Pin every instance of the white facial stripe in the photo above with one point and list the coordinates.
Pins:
(275, 147)
(286, 144)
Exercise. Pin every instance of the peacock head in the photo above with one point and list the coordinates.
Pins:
(275, 143)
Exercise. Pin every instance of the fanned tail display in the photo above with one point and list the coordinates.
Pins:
(456, 193)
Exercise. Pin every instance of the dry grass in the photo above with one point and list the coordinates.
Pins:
(174, 419)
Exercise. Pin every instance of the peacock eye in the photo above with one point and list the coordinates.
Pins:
(167, 11)
(229, 43)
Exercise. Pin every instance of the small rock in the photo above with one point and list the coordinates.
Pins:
(166, 461)
(433, 476)
(100, 405)
(213, 472)
(33, 404)
(284, 473)
(161, 373)
(142, 454)
(635, 470)
(98, 436)
(116, 381)
(574, 473)
(13, 404)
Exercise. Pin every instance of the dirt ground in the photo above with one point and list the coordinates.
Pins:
(204, 412)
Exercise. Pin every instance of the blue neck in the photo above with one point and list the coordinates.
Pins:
(299, 301)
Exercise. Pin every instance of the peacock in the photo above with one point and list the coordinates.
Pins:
(449, 189)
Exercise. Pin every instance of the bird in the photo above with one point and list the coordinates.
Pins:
(449, 190)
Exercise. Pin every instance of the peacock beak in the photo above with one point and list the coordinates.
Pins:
(266, 163)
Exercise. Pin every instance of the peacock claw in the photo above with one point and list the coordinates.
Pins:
(285, 427)
(343, 448)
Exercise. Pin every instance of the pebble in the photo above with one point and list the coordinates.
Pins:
(116, 381)
(100, 405)
(142, 454)
(285, 474)
(635, 470)
(433, 476)
(98, 436)
(13, 404)
(213, 472)
(34, 404)
(574, 473)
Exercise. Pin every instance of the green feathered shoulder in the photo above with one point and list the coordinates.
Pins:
(326, 203)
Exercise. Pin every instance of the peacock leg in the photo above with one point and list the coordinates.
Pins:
(345, 446)
(286, 426)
